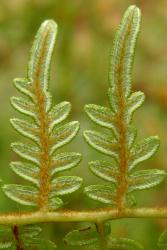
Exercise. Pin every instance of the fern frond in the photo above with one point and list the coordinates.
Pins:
(88, 238)
(121, 144)
(42, 162)
(24, 237)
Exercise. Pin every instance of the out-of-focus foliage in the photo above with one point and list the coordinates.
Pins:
(79, 75)
(25, 237)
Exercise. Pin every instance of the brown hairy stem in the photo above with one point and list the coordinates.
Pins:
(100, 230)
(15, 230)
(45, 141)
(122, 131)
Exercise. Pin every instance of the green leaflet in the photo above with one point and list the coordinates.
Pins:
(101, 142)
(144, 179)
(103, 193)
(27, 171)
(123, 55)
(86, 236)
(27, 129)
(65, 161)
(47, 101)
(104, 170)
(63, 135)
(162, 241)
(143, 150)
(58, 114)
(24, 106)
(24, 86)
(102, 116)
(131, 136)
(54, 202)
(134, 102)
(65, 184)
(28, 152)
(123, 244)
(41, 53)
(41, 160)
(25, 195)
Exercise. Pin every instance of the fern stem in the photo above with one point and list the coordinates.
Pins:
(15, 230)
(78, 216)
(122, 184)
(100, 229)
(122, 128)
(44, 134)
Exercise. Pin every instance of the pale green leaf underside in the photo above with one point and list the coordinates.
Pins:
(123, 55)
(104, 170)
(24, 106)
(27, 171)
(143, 150)
(144, 179)
(41, 53)
(101, 142)
(135, 100)
(25, 195)
(28, 152)
(65, 161)
(101, 115)
(54, 202)
(103, 193)
(131, 136)
(24, 86)
(27, 129)
(63, 135)
(65, 184)
(58, 114)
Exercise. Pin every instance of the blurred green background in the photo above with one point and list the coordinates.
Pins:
(80, 75)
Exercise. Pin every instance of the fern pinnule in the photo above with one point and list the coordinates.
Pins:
(120, 144)
(41, 159)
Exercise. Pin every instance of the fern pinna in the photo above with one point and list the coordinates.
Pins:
(41, 160)
(121, 177)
